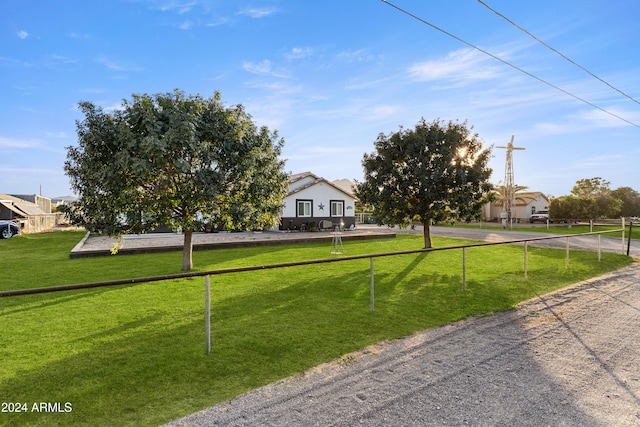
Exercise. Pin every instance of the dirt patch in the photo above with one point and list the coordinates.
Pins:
(568, 358)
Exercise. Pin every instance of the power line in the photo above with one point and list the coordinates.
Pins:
(508, 63)
(558, 52)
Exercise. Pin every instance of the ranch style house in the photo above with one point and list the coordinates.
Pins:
(313, 203)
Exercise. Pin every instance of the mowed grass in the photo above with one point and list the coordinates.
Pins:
(135, 354)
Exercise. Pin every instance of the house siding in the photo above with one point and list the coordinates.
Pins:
(321, 195)
(522, 211)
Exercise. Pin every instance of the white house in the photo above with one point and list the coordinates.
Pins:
(527, 203)
(315, 203)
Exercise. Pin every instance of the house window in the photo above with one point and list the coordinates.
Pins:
(337, 207)
(533, 210)
(303, 208)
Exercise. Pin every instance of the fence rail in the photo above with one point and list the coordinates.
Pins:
(138, 280)
(371, 257)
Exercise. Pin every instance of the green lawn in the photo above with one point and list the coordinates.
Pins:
(135, 355)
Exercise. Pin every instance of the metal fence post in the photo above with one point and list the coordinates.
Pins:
(371, 283)
(629, 239)
(599, 248)
(566, 261)
(464, 269)
(207, 310)
(623, 224)
(525, 261)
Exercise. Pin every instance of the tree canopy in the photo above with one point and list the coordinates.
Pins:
(174, 161)
(592, 198)
(434, 172)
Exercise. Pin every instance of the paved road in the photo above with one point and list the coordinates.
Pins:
(570, 358)
(609, 242)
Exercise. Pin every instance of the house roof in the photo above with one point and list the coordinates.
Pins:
(20, 206)
(314, 181)
(344, 184)
(525, 197)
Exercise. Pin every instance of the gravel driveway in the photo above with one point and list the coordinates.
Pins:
(570, 358)
(609, 242)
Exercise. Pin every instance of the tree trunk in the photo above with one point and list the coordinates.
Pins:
(427, 233)
(187, 250)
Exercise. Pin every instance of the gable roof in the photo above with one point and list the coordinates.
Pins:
(314, 180)
(525, 197)
(20, 206)
(344, 184)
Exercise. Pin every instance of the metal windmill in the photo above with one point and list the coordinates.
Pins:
(509, 200)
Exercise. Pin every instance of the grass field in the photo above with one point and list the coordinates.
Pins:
(135, 355)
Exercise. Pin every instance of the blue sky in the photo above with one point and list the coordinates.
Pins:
(331, 75)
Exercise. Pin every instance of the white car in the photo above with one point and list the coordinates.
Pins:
(539, 217)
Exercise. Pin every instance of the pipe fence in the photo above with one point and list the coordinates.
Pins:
(371, 257)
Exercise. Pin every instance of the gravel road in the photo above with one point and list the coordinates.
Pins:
(570, 358)
(609, 242)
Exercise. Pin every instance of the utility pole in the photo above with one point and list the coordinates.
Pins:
(509, 201)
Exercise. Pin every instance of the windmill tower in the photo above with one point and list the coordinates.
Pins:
(509, 201)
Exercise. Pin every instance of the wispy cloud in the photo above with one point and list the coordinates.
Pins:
(177, 6)
(588, 120)
(600, 119)
(359, 55)
(114, 66)
(56, 134)
(597, 162)
(462, 65)
(11, 61)
(18, 143)
(64, 59)
(265, 68)
(22, 34)
(113, 107)
(29, 171)
(258, 12)
(299, 53)
(220, 20)
(82, 36)
(28, 144)
(262, 67)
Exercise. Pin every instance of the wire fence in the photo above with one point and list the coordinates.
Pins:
(371, 257)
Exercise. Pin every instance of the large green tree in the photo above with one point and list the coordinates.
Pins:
(629, 201)
(571, 208)
(590, 187)
(434, 172)
(175, 161)
(598, 197)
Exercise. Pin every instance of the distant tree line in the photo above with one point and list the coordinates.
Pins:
(594, 199)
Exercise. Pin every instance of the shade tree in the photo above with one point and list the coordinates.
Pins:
(436, 171)
(177, 161)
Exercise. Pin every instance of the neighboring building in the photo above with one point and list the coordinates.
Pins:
(44, 203)
(32, 212)
(527, 203)
(345, 185)
(315, 203)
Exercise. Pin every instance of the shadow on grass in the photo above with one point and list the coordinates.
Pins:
(14, 305)
(154, 369)
(140, 375)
